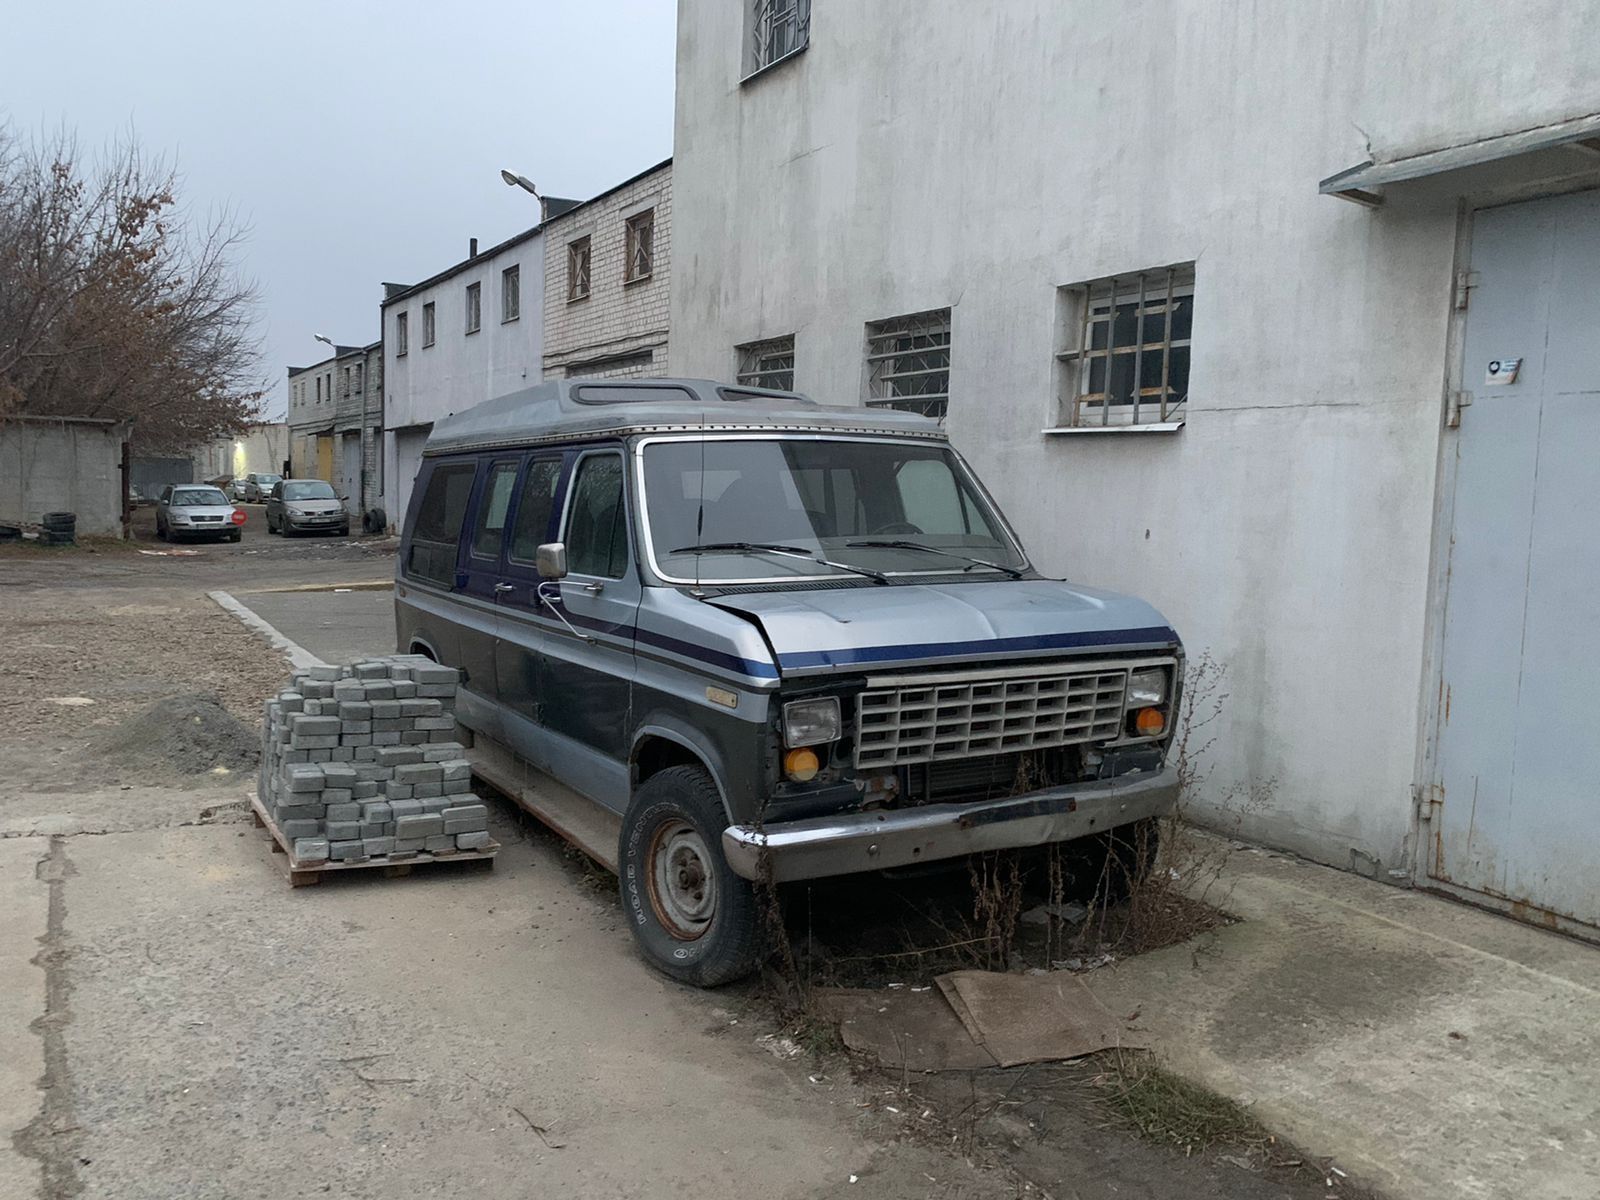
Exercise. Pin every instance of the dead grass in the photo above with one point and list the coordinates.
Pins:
(1165, 1107)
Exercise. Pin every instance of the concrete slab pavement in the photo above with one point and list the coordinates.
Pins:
(25, 902)
(1438, 1052)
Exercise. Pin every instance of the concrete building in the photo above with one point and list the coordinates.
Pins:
(607, 281)
(336, 423)
(1342, 445)
(262, 447)
(468, 334)
(63, 464)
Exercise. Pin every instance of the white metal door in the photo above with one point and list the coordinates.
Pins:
(1518, 749)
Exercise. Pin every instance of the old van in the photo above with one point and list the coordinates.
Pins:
(717, 634)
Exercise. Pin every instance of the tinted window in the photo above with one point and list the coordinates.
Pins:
(533, 508)
(432, 554)
(490, 529)
(597, 526)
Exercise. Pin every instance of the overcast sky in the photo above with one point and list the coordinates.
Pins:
(361, 142)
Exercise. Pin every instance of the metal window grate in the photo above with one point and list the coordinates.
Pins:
(940, 717)
(641, 245)
(908, 363)
(578, 269)
(1126, 361)
(778, 28)
(768, 364)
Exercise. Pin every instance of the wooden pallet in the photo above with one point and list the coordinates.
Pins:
(307, 874)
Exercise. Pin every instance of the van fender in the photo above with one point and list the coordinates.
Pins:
(680, 733)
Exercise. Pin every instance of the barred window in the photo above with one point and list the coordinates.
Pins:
(578, 269)
(641, 248)
(768, 364)
(777, 29)
(908, 363)
(1124, 356)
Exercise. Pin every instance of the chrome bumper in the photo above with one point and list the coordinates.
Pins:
(871, 841)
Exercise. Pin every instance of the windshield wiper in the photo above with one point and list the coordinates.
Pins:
(774, 548)
(966, 558)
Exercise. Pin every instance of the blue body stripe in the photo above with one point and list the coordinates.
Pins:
(1159, 635)
(729, 662)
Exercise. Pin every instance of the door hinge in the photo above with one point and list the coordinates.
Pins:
(1427, 799)
(1458, 401)
(1465, 282)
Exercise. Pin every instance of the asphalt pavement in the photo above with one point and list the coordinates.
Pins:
(338, 625)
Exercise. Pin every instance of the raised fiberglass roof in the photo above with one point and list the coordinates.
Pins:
(574, 409)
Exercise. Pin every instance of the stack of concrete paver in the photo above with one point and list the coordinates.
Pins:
(361, 762)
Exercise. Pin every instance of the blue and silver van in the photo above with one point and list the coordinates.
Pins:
(719, 635)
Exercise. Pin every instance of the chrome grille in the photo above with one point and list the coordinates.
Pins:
(932, 718)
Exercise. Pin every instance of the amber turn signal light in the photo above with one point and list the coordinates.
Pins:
(801, 765)
(1149, 722)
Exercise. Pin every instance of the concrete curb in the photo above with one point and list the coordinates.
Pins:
(364, 585)
(297, 654)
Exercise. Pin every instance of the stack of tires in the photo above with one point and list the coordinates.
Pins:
(10, 532)
(60, 528)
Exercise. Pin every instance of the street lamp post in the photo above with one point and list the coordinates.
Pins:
(512, 179)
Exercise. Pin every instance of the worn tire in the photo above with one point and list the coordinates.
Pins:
(672, 812)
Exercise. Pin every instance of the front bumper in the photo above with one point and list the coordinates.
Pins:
(872, 841)
(327, 524)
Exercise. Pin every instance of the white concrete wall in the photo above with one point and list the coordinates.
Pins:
(459, 369)
(62, 466)
(982, 157)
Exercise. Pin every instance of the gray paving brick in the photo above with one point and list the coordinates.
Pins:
(340, 775)
(348, 850)
(311, 849)
(372, 829)
(379, 690)
(419, 827)
(395, 756)
(425, 790)
(441, 690)
(433, 673)
(455, 768)
(337, 795)
(344, 830)
(304, 777)
(404, 808)
(409, 845)
(404, 689)
(397, 791)
(346, 810)
(303, 741)
(365, 789)
(355, 710)
(385, 739)
(441, 751)
(475, 840)
(440, 844)
(305, 725)
(421, 708)
(418, 772)
(378, 847)
(291, 702)
(465, 818)
(377, 810)
(434, 723)
(457, 787)
(300, 827)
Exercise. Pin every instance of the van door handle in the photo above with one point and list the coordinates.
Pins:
(594, 589)
(502, 588)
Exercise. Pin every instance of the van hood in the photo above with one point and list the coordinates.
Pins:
(906, 625)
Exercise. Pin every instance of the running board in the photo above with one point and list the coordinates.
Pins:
(588, 826)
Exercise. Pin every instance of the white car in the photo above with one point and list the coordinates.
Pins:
(197, 510)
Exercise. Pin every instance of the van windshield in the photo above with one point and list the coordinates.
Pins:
(774, 508)
(308, 489)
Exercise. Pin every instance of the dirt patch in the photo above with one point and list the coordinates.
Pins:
(186, 735)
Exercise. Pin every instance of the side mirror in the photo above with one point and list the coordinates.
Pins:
(551, 559)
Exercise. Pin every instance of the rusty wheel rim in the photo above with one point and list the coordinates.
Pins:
(683, 886)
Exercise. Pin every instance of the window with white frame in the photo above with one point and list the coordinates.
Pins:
(767, 364)
(429, 327)
(510, 293)
(578, 269)
(401, 343)
(474, 307)
(776, 29)
(908, 363)
(1123, 356)
(641, 246)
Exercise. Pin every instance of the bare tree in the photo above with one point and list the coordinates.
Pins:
(114, 302)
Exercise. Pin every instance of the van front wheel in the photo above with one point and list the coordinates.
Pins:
(692, 916)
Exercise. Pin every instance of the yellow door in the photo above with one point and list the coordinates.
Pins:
(325, 457)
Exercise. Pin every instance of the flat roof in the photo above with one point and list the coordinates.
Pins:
(576, 409)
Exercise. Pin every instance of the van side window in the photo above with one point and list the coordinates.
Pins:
(597, 525)
(432, 555)
(489, 531)
(533, 508)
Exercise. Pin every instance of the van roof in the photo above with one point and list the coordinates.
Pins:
(574, 409)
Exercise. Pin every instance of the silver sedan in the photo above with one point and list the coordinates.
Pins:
(197, 511)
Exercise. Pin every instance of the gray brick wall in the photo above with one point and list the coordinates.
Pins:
(620, 330)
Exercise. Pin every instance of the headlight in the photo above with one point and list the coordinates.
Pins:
(295, 512)
(811, 722)
(1146, 688)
